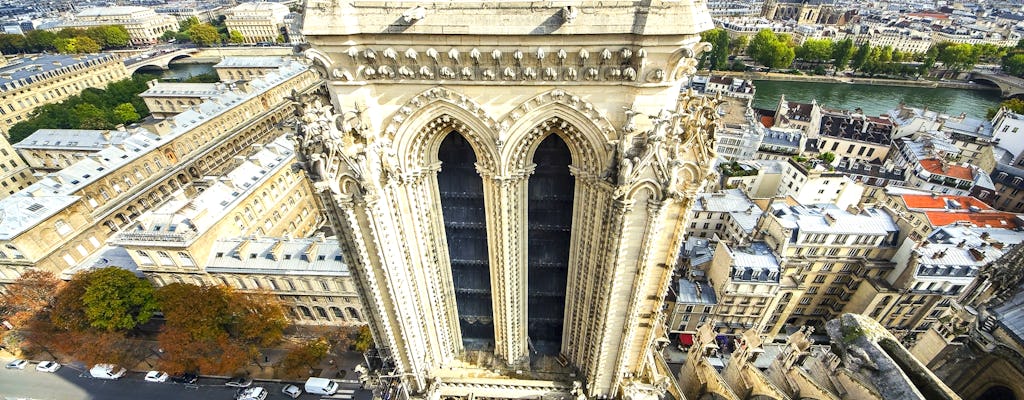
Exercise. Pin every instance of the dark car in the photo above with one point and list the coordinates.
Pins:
(187, 378)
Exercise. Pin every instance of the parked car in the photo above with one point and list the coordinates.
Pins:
(253, 393)
(239, 382)
(322, 386)
(187, 378)
(156, 376)
(292, 391)
(107, 371)
(47, 366)
(17, 364)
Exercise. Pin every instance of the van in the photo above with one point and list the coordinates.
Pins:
(321, 386)
(253, 393)
(107, 371)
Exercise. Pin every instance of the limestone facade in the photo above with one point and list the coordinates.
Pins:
(143, 24)
(257, 22)
(67, 215)
(525, 87)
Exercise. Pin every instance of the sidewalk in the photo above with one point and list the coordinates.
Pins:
(340, 367)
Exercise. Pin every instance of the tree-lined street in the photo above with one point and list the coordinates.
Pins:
(73, 383)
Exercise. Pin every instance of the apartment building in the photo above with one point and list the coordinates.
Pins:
(51, 150)
(745, 280)
(814, 182)
(727, 215)
(803, 116)
(244, 68)
(739, 134)
(144, 25)
(258, 21)
(971, 136)
(66, 216)
(166, 99)
(930, 169)
(31, 81)
(854, 137)
(928, 275)
(827, 253)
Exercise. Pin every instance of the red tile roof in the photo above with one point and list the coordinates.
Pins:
(991, 219)
(938, 202)
(767, 122)
(952, 170)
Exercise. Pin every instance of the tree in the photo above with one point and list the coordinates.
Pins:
(66, 45)
(91, 117)
(719, 54)
(116, 36)
(259, 318)
(117, 300)
(188, 23)
(1014, 65)
(364, 341)
(125, 113)
(782, 55)
(39, 40)
(34, 292)
(11, 44)
(842, 51)
(83, 44)
(68, 313)
(235, 37)
(860, 58)
(771, 50)
(958, 57)
(168, 35)
(738, 45)
(203, 34)
(301, 358)
(816, 50)
(827, 157)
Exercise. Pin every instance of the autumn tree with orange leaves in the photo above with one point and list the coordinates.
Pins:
(31, 295)
(214, 329)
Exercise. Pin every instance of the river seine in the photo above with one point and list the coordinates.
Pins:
(876, 100)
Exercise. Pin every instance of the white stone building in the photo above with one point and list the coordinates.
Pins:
(144, 25)
(258, 22)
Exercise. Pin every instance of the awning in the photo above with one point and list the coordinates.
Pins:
(686, 339)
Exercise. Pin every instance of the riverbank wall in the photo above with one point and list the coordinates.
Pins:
(209, 55)
(772, 76)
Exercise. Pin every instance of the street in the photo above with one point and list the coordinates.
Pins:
(71, 383)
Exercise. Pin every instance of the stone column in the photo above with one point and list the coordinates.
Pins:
(505, 199)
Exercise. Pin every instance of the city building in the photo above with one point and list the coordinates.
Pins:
(854, 137)
(51, 150)
(930, 169)
(781, 143)
(67, 216)
(444, 117)
(803, 116)
(693, 306)
(182, 12)
(258, 22)
(815, 182)
(909, 120)
(739, 133)
(144, 25)
(243, 68)
(828, 252)
(745, 280)
(30, 81)
(972, 136)
(727, 215)
(167, 99)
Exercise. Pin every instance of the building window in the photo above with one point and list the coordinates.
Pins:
(165, 259)
(63, 228)
(143, 257)
(186, 259)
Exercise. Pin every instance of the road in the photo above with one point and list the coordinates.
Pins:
(70, 383)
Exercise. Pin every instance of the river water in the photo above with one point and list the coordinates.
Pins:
(181, 71)
(876, 100)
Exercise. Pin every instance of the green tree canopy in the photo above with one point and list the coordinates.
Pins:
(235, 37)
(816, 50)
(958, 57)
(117, 300)
(203, 34)
(1014, 64)
(771, 50)
(719, 54)
(125, 113)
(185, 25)
(842, 52)
(83, 44)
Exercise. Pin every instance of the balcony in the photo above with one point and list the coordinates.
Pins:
(157, 238)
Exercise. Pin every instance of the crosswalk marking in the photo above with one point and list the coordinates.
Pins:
(337, 396)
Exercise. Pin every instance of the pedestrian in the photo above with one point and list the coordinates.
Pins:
(266, 358)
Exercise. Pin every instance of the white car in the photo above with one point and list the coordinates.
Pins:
(156, 376)
(292, 391)
(17, 364)
(47, 366)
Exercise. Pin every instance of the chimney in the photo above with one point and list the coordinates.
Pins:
(275, 250)
(310, 252)
(962, 243)
(241, 249)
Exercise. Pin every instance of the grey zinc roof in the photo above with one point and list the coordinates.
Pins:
(258, 258)
(827, 218)
(695, 292)
(251, 62)
(72, 139)
(18, 213)
(183, 89)
(1011, 315)
(30, 69)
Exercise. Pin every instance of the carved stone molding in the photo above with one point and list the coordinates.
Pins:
(624, 64)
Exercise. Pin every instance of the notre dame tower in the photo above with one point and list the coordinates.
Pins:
(510, 183)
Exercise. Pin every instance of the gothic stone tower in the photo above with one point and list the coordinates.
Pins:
(510, 182)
